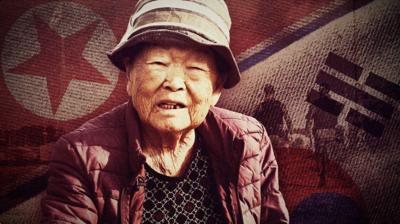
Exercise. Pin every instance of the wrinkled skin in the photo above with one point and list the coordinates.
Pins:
(173, 74)
(172, 88)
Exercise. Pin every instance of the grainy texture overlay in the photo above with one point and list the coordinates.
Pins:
(323, 76)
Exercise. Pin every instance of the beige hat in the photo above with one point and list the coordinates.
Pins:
(203, 22)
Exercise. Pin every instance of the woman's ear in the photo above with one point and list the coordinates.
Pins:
(215, 96)
(222, 76)
(128, 76)
(129, 87)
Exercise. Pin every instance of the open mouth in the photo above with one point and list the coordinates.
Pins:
(171, 106)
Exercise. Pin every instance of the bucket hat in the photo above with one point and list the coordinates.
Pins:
(202, 22)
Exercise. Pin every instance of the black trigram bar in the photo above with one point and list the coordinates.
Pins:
(324, 103)
(384, 86)
(369, 125)
(358, 96)
(344, 66)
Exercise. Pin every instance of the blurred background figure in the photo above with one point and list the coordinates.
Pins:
(273, 114)
(323, 129)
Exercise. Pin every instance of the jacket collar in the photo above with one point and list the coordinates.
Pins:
(224, 148)
(217, 137)
(136, 157)
(221, 141)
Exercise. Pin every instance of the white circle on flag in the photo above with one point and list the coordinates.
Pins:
(81, 97)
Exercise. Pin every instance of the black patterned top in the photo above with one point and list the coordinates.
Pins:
(190, 198)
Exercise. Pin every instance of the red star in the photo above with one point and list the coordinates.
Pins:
(60, 60)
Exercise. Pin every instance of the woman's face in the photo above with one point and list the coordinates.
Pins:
(173, 87)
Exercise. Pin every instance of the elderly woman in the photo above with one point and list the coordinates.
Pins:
(168, 155)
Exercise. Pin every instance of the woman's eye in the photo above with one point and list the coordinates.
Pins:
(197, 68)
(158, 63)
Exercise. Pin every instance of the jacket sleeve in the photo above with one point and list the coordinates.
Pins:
(67, 198)
(273, 207)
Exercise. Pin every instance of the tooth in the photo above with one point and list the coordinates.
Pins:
(171, 106)
(167, 106)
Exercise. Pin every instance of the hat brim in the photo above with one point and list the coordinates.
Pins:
(120, 52)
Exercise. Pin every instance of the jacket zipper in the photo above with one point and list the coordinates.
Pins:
(124, 205)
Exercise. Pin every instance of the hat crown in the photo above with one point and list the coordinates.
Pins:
(206, 23)
(218, 6)
(192, 15)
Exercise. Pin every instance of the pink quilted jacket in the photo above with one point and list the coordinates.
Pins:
(97, 172)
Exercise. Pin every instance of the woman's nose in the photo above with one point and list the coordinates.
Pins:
(175, 79)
